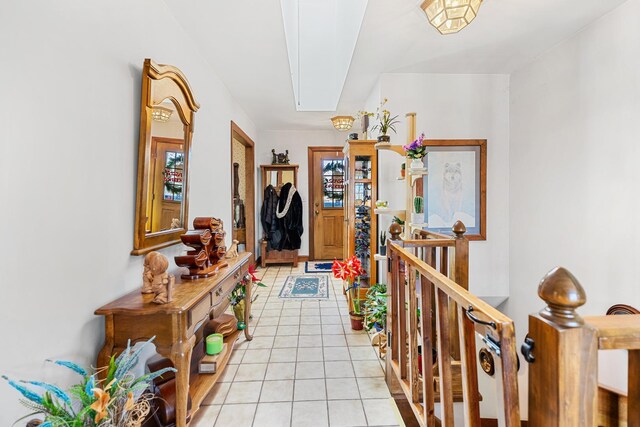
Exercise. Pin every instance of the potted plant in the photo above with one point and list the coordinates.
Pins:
(383, 243)
(416, 152)
(375, 307)
(403, 170)
(238, 295)
(417, 217)
(386, 123)
(350, 271)
(120, 399)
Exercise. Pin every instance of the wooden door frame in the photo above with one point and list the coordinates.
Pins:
(310, 152)
(250, 202)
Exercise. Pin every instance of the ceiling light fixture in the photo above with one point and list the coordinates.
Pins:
(161, 114)
(342, 123)
(450, 16)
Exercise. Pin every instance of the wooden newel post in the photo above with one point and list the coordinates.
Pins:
(460, 275)
(461, 258)
(563, 380)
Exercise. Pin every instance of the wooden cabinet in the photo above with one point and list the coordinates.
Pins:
(277, 176)
(360, 195)
(135, 317)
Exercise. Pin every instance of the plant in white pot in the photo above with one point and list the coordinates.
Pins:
(417, 217)
(416, 151)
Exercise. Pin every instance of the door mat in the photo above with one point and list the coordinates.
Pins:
(318, 266)
(306, 287)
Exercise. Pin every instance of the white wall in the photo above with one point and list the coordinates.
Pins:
(297, 142)
(574, 170)
(457, 107)
(70, 86)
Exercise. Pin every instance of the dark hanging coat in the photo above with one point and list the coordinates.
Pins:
(270, 225)
(291, 224)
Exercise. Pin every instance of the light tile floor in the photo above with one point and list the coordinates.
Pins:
(304, 367)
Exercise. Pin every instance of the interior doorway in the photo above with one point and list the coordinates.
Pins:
(243, 202)
(326, 198)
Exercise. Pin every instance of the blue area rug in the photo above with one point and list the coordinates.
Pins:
(318, 266)
(306, 287)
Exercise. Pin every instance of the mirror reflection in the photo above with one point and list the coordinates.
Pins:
(278, 178)
(166, 169)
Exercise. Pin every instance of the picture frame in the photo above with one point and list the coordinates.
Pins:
(455, 187)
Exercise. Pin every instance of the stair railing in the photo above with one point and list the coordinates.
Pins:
(415, 283)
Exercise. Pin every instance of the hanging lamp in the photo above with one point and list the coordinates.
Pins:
(342, 123)
(450, 16)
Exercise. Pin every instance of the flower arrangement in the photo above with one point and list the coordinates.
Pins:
(386, 122)
(239, 293)
(119, 400)
(416, 150)
(350, 271)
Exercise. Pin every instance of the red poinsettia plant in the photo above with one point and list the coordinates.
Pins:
(350, 271)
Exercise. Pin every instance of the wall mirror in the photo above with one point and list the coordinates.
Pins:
(167, 110)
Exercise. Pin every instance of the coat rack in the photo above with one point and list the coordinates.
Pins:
(277, 175)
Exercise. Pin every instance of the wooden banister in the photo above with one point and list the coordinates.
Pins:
(431, 274)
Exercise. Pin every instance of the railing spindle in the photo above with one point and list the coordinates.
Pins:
(393, 305)
(426, 319)
(402, 322)
(509, 373)
(413, 336)
(633, 398)
(444, 359)
(469, 370)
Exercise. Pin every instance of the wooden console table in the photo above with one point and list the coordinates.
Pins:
(135, 317)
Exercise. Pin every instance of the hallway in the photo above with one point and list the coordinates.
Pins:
(304, 367)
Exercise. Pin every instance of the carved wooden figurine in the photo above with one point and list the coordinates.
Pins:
(208, 249)
(232, 252)
(155, 279)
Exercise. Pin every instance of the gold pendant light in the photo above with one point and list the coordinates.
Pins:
(342, 123)
(161, 114)
(450, 16)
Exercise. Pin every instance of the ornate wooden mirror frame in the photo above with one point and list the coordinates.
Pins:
(161, 83)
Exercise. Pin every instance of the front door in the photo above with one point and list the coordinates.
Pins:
(327, 202)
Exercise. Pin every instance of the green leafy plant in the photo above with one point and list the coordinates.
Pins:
(398, 220)
(383, 238)
(418, 204)
(119, 400)
(375, 306)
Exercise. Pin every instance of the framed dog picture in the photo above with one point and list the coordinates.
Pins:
(456, 186)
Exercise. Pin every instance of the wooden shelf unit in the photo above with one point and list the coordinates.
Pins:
(364, 153)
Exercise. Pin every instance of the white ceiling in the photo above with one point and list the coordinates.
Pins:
(244, 40)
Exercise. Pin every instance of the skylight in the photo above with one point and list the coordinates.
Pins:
(321, 37)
